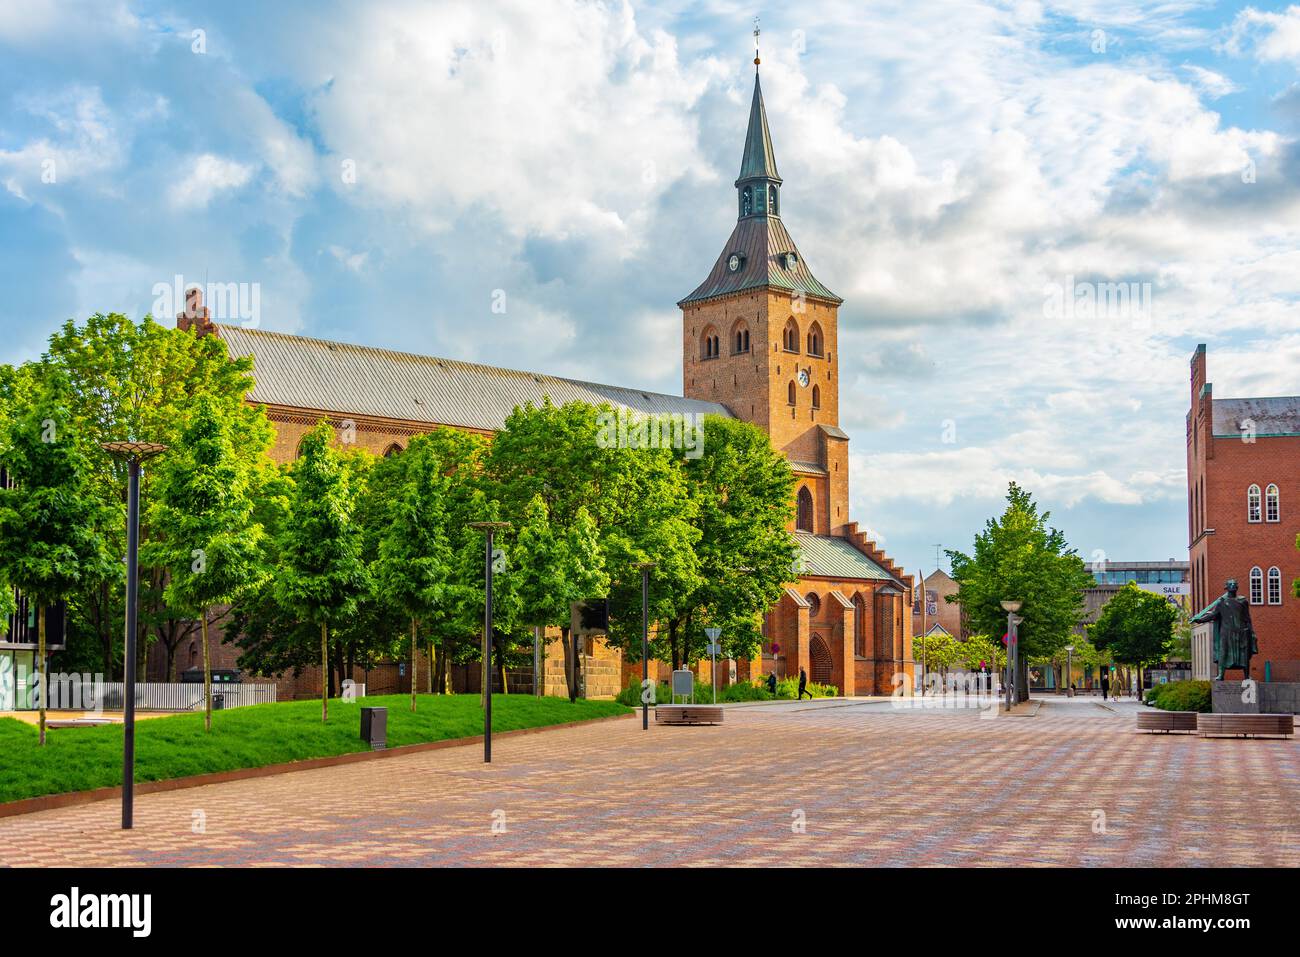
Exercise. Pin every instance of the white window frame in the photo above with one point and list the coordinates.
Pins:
(1275, 578)
(1254, 505)
(1257, 586)
(1272, 503)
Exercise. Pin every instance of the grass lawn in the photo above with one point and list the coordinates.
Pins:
(79, 759)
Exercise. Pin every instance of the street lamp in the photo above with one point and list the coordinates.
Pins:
(491, 529)
(1069, 657)
(1011, 607)
(645, 641)
(133, 453)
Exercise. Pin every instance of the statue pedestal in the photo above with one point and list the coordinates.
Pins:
(1271, 697)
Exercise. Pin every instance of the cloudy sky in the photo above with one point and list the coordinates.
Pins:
(385, 171)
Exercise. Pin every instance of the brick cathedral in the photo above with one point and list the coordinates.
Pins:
(760, 343)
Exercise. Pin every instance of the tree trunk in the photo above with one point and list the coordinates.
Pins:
(672, 641)
(207, 676)
(324, 673)
(414, 680)
(570, 663)
(171, 663)
(501, 669)
(42, 682)
(431, 669)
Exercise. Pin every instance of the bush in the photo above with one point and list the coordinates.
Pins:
(1181, 696)
(786, 689)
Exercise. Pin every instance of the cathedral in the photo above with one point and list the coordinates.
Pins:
(759, 343)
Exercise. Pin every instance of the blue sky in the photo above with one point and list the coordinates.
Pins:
(381, 170)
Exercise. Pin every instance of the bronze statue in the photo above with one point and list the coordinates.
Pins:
(1234, 636)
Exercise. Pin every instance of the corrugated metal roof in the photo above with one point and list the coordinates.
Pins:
(832, 557)
(762, 241)
(812, 467)
(1279, 415)
(362, 380)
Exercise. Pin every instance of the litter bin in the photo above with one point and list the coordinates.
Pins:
(374, 728)
(218, 702)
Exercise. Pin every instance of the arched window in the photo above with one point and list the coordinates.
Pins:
(771, 200)
(1272, 506)
(1275, 586)
(815, 341)
(791, 337)
(740, 337)
(804, 517)
(789, 392)
(817, 397)
(392, 450)
(709, 344)
(1252, 504)
(814, 605)
(859, 626)
(1256, 586)
(747, 201)
(820, 664)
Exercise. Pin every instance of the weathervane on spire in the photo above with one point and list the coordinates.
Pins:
(756, 32)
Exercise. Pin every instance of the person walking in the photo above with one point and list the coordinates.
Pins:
(1105, 685)
(771, 684)
(803, 684)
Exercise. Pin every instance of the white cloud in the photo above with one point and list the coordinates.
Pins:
(1272, 36)
(205, 176)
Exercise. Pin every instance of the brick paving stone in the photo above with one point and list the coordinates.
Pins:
(874, 785)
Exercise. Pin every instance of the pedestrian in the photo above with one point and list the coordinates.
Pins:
(803, 684)
(1105, 685)
(771, 684)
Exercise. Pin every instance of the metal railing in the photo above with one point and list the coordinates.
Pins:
(156, 696)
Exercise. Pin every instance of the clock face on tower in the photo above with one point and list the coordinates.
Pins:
(803, 378)
(733, 263)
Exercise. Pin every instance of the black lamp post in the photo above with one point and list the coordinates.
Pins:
(133, 453)
(1013, 651)
(645, 641)
(491, 529)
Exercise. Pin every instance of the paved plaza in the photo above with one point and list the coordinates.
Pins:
(825, 783)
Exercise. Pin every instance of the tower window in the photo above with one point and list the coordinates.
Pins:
(771, 200)
(791, 337)
(746, 201)
(789, 393)
(815, 340)
(709, 344)
(804, 515)
(817, 397)
(739, 338)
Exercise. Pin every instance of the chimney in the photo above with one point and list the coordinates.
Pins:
(196, 314)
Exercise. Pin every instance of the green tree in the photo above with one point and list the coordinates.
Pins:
(321, 575)
(50, 520)
(415, 553)
(556, 567)
(1019, 557)
(205, 535)
(1136, 627)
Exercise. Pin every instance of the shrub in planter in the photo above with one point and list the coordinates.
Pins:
(1184, 696)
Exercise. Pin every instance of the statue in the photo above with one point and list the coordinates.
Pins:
(1234, 636)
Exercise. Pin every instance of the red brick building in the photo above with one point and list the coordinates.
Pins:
(760, 342)
(1243, 513)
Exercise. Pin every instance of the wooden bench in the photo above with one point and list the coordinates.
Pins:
(1166, 721)
(687, 714)
(1245, 725)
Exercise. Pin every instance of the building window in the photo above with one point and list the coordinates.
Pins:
(791, 337)
(747, 201)
(1272, 506)
(860, 626)
(392, 450)
(804, 517)
(815, 341)
(1252, 504)
(789, 393)
(1275, 586)
(814, 605)
(771, 200)
(709, 344)
(739, 338)
(1256, 586)
(817, 397)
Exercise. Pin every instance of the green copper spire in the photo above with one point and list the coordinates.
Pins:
(759, 183)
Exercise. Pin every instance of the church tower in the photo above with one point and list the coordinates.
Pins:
(760, 336)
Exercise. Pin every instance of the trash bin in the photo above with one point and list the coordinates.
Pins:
(218, 702)
(374, 727)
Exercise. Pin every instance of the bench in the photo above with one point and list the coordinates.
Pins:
(687, 714)
(1245, 725)
(76, 722)
(1166, 721)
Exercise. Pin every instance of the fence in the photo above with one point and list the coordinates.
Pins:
(152, 696)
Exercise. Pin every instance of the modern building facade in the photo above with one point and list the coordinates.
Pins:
(1243, 493)
(760, 343)
(931, 608)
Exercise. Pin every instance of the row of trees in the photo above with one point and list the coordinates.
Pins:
(1020, 557)
(344, 559)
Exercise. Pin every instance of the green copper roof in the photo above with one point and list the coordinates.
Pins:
(832, 557)
(759, 160)
(761, 242)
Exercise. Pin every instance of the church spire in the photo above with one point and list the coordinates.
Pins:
(758, 186)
